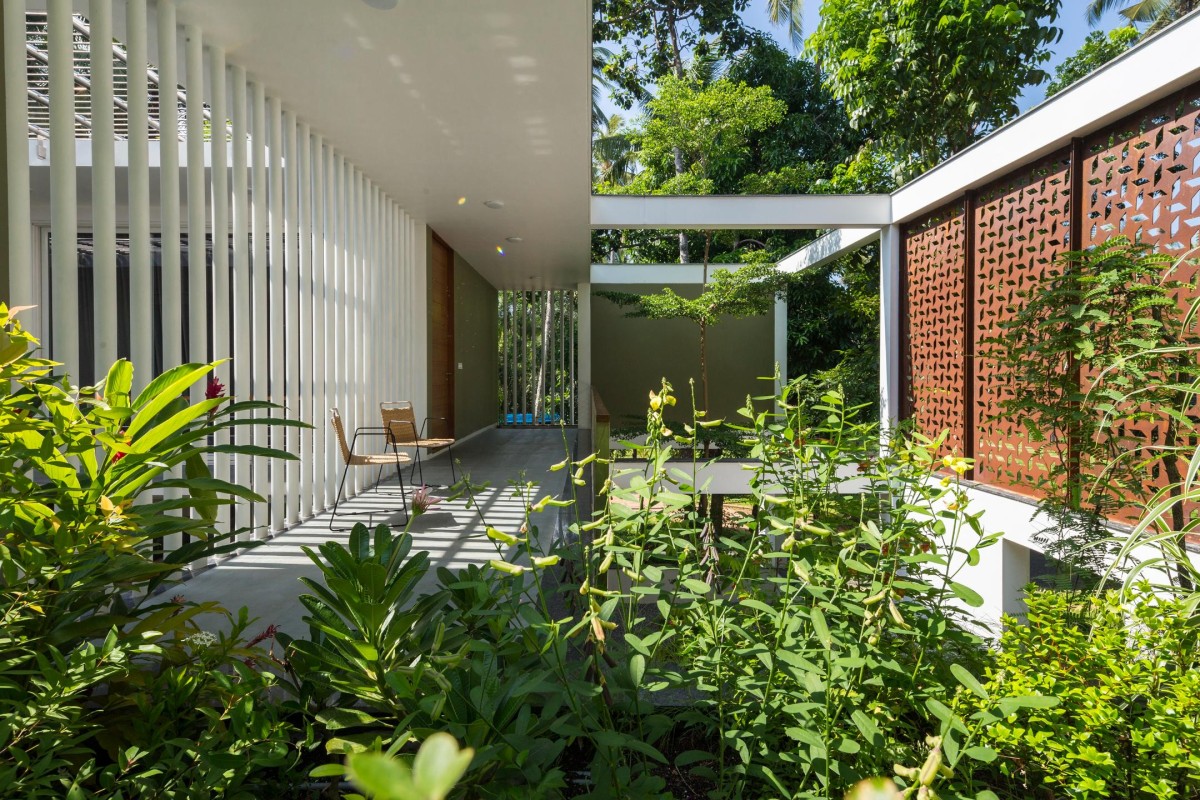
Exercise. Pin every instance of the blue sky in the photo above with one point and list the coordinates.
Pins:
(1072, 20)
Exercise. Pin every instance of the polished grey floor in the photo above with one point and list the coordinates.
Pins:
(266, 579)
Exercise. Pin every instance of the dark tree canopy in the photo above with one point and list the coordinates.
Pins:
(929, 77)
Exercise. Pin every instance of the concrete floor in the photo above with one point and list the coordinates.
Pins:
(266, 578)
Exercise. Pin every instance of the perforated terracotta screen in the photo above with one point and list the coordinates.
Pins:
(1021, 226)
(966, 265)
(935, 273)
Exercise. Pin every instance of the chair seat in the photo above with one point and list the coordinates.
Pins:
(431, 443)
(379, 459)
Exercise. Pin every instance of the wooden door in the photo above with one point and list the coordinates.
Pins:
(441, 337)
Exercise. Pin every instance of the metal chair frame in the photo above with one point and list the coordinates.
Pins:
(352, 459)
(399, 418)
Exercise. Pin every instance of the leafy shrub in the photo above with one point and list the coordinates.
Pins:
(105, 686)
(1128, 721)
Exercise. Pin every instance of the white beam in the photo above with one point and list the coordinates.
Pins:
(777, 212)
(197, 195)
(64, 288)
(141, 298)
(829, 247)
(22, 289)
(104, 192)
(1156, 68)
(168, 191)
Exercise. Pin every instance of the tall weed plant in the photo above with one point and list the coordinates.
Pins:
(823, 644)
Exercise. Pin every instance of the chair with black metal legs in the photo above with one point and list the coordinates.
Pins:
(352, 459)
(401, 423)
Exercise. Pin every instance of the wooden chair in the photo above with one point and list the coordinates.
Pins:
(400, 421)
(352, 459)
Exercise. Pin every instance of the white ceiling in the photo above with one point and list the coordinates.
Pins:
(440, 99)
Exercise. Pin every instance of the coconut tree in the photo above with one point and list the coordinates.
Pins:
(1157, 14)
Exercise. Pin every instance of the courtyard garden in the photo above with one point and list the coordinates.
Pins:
(825, 647)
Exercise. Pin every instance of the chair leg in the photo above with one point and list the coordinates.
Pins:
(400, 479)
(450, 455)
(338, 498)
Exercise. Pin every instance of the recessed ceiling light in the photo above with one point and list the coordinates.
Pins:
(499, 249)
(494, 203)
(462, 201)
(382, 5)
(514, 239)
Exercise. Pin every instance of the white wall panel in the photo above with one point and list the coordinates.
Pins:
(104, 192)
(317, 283)
(22, 288)
(64, 292)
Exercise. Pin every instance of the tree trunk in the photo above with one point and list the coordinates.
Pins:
(704, 328)
(539, 398)
(683, 237)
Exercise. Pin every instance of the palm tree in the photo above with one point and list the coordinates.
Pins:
(790, 13)
(1158, 13)
(613, 156)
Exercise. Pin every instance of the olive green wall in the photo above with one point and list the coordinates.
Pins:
(630, 357)
(476, 339)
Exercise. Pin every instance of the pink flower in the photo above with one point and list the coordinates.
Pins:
(215, 388)
(269, 633)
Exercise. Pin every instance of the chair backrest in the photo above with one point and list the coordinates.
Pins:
(340, 431)
(400, 421)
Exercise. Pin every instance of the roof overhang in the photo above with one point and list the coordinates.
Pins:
(436, 101)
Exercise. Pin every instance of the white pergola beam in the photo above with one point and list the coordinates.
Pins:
(829, 247)
(757, 212)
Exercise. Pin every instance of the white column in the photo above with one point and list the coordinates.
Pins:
(197, 194)
(781, 341)
(141, 297)
(376, 345)
(354, 304)
(889, 328)
(293, 328)
(222, 317)
(22, 289)
(260, 299)
(305, 328)
(583, 373)
(104, 191)
(219, 150)
(168, 182)
(420, 305)
(243, 320)
(278, 301)
(339, 356)
(64, 288)
(320, 410)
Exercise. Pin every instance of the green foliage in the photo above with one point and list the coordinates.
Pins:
(833, 329)
(928, 77)
(1099, 352)
(708, 125)
(657, 36)
(435, 769)
(370, 642)
(1157, 14)
(104, 687)
(816, 647)
(1127, 724)
(1096, 51)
